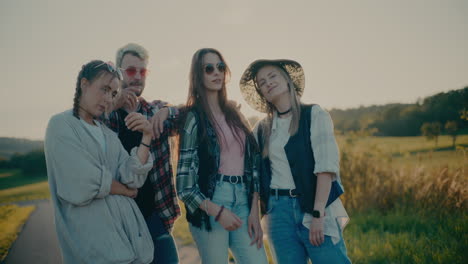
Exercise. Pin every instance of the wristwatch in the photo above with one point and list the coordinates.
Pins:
(316, 214)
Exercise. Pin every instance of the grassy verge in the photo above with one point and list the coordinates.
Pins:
(15, 177)
(12, 218)
(181, 229)
(406, 237)
(25, 193)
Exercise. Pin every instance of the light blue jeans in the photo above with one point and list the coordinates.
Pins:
(289, 239)
(213, 245)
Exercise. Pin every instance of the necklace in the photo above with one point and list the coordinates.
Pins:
(285, 112)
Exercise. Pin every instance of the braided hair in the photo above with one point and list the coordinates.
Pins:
(91, 71)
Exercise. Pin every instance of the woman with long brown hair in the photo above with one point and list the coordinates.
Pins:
(217, 178)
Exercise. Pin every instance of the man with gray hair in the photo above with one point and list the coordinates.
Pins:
(156, 198)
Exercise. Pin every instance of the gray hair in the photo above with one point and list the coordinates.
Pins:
(133, 49)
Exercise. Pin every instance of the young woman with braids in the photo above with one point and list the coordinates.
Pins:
(217, 176)
(93, 179)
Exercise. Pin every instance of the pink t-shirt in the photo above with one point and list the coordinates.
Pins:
(232, 154)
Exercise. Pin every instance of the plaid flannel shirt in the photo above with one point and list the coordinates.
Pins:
(187, 169)
(161, 174)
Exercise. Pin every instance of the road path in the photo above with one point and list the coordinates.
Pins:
(37, 243)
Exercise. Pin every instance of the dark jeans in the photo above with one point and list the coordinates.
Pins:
(165, 251)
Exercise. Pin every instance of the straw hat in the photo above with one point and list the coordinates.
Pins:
(252, 94)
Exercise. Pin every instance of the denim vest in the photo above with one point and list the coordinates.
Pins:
(301, 162)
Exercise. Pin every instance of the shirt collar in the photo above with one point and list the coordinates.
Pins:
(274, 124)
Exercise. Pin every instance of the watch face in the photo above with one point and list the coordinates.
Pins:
(316, 214)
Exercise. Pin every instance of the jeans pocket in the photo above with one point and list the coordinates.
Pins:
(223, 193)
(271, 205)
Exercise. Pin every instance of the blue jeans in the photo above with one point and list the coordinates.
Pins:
(165, 251)
(213, 245)
(289, 239)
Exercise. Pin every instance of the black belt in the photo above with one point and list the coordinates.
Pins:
(284, 192)
(232, 179)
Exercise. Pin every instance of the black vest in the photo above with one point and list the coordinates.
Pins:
(302, 163)
(129, 140)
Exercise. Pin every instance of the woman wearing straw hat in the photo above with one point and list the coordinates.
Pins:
(299, 182)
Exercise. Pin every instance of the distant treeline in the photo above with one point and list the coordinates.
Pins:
(12, 146)
(406, 119)
(32, 162)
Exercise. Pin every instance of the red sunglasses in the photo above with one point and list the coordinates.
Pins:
(132, 71)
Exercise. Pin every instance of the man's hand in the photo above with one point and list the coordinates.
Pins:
(158, 121)
(127, 99)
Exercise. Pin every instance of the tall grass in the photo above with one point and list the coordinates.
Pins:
(374, 180)
(416, 213)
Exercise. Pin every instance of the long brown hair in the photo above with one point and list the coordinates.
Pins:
(197, 100)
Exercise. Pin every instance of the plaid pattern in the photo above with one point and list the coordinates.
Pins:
(161, 173)
(187, 168)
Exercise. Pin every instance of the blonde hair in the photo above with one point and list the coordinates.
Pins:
(295, 111)
(133, 49)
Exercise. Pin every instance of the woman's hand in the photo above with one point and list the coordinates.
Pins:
(255, 228)
(137, 122)
(316, 235)
(118, 188)
(229, 220)
(132, 193)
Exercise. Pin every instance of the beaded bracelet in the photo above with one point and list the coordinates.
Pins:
(148, 146)
(219, 213)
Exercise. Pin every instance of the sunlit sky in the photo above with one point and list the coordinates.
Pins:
(353, 52)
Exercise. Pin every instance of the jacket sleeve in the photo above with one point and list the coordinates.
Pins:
(79, 176)
(131, 171)
(187, 168)
(324, 146)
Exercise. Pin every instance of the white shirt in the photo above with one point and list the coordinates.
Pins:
(326, 157)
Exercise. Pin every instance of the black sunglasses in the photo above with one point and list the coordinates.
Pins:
(209, 67)
(112, 69)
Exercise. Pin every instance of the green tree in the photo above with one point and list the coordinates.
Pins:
(31, 163)
(451, 127)
(431, 131)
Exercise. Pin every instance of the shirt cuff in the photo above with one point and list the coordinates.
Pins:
(192, 199)
(106, 182)
(173, 112)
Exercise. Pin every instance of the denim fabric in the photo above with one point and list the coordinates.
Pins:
(165, 251)
(289, 239)
(213, 245)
